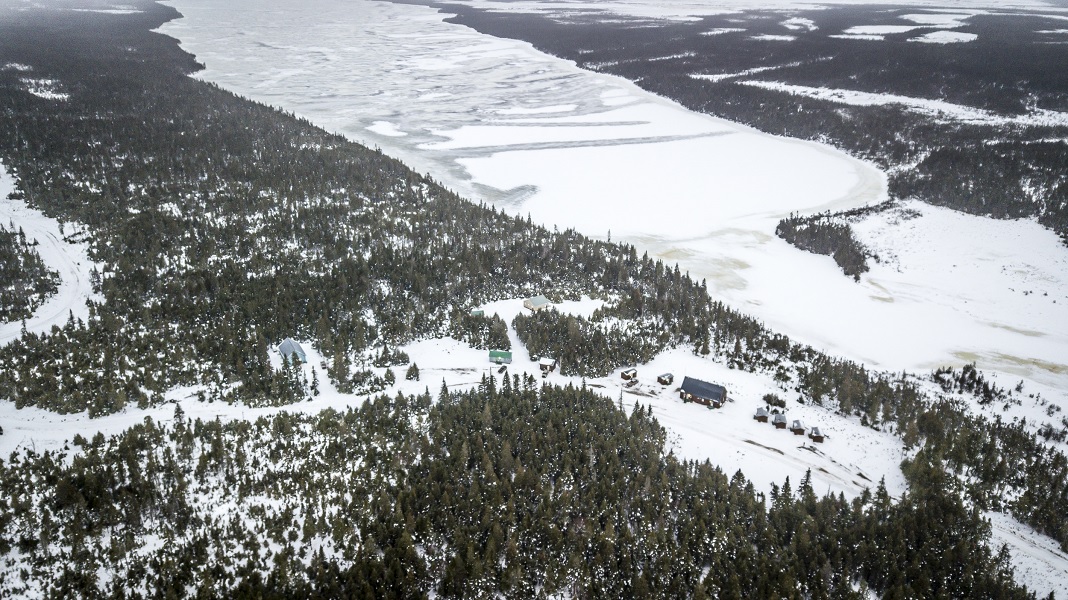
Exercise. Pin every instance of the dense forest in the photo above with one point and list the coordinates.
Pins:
(25, 281)
(1003, 169)
(505, 490)
(224, 226)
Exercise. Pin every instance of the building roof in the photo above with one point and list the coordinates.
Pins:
(538, 300)
(761, 412)
(288, 347)
(501, 353)
(703, 389)
(666, 376)
(797, 424)
(547, 361)
(815, 431)
(779, 418)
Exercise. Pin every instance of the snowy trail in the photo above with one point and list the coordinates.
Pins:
(70, 260)
(1039, 562)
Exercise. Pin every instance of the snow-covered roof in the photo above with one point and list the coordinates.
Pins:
(289, 347)
(538, 300)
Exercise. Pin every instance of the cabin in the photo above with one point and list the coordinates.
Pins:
(702, 392)
(665, 379)
(816, 435)
(478, 312)
(797, 427)
(536, 303)
(629, 374)
(500, 357)
(547, 364)
(779, 421)
(761, 415)
(290, 349)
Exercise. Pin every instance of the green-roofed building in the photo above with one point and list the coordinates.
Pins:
(537, 303)
(500, 357)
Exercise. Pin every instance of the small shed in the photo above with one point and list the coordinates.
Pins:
(629, 374)
(761, 415)
(702, 392)
(797, 427)
(665, 379)
(779, 421)
(816, 435)
(500, 357)
(537, 303)
(290, 348)
(547, 364)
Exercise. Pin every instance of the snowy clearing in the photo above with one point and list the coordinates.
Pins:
(945, 37)
(70, 260)
(944, 111)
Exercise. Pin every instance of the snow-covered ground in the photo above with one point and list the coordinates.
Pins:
(1039, 562)
(71, 260)
(500, 122)
(938, 109)
(851, 458)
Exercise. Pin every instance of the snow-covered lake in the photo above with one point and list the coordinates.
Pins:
(498, 121)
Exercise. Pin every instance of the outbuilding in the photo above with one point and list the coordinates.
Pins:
(500, 357)
(761, 415)
(797, 427)
(290, 349)
(629, 374)
(816, 435)
(665, 379)
(537, 303)
(547, 364)
(779, 421)
(702, 392)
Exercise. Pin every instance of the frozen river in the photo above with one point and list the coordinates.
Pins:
(498, 121)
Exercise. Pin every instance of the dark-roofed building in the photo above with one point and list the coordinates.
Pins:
(779, 421)
(702, 392)
(289, 348)
(761, 415)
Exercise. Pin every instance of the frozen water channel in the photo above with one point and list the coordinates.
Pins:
(498, 121)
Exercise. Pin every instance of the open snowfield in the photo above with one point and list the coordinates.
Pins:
(71, 260)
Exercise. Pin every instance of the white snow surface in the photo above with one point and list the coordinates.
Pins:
(691, 9)
(939, 109)
(945, 37)
(1038, 560)
(71, 260)
(498, 121)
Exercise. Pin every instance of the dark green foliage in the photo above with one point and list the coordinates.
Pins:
(585, 348)
(823, 235)
(506, 491)
(25, 281)
(480, 331)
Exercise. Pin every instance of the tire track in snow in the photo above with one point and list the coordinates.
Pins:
(70, 260)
